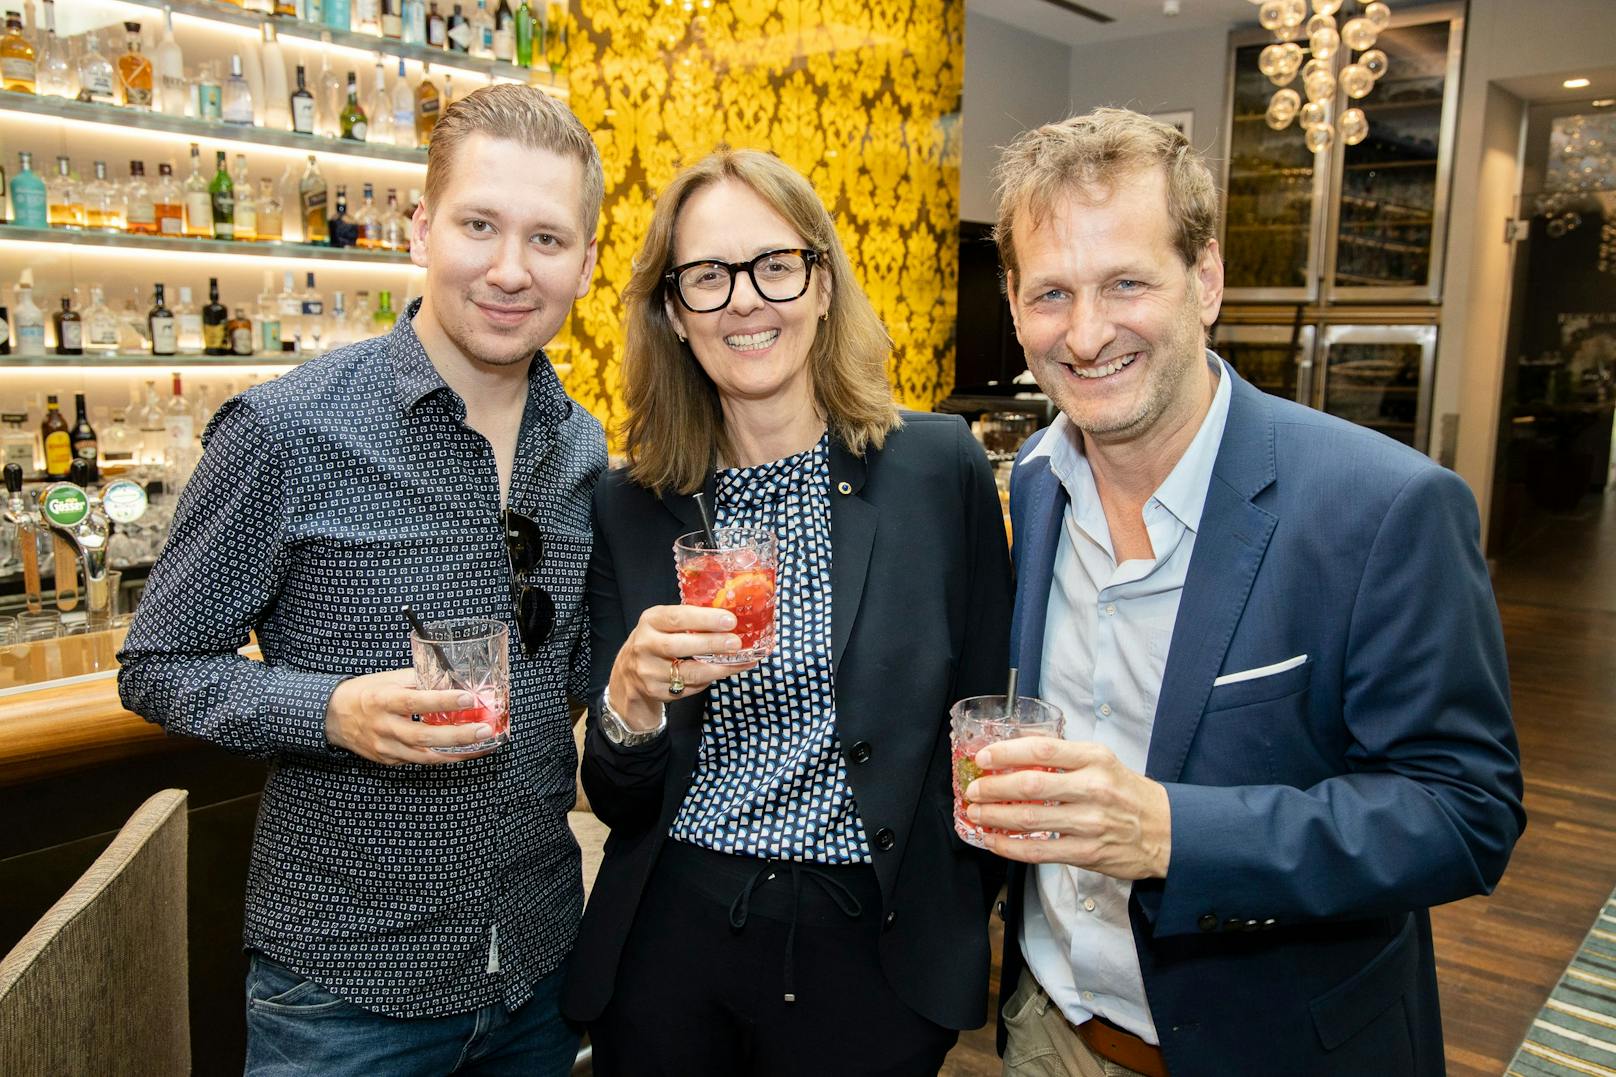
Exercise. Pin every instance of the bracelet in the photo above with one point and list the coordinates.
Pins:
(618, 732)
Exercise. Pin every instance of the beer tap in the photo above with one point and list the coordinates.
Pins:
(27, 523)
(82, 522)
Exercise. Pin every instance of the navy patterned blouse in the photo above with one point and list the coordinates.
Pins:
(770, 781)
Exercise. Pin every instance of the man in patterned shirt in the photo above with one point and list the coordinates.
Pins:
(408, 911)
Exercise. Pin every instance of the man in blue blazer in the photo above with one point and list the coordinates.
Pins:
(1273, 638)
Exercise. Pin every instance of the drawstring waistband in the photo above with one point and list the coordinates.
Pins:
(833, 888)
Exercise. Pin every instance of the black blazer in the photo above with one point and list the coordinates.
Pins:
(920, 592)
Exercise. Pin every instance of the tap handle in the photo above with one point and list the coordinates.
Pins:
(13, 479)
(78, 473)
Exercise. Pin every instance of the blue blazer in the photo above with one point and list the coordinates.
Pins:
(1319, 812)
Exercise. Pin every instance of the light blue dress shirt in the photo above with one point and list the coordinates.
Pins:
(1105, 649)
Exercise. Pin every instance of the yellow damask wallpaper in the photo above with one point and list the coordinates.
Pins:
(861, 96)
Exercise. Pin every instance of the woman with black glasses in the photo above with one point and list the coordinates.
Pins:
(782, 892)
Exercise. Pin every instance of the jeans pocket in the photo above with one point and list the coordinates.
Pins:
(1029, 1051)
(273, 988)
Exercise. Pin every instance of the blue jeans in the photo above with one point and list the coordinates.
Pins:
(297, 1027)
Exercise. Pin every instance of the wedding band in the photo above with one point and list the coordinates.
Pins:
(676, 683)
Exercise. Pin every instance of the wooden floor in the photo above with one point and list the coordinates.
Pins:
(1499, 956)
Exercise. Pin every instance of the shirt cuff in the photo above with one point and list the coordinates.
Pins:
(294, 709)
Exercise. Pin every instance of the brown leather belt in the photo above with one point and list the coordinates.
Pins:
(1124, 1048)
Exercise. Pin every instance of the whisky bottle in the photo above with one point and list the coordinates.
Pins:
(64, 200)
(82, 439)
(240, 332)
(311, 196)
(160, 325)
(135, 72)
(198, 200)
(222, 195)
(215, 339)
(104, 209)
(58, 439)
(140, 210)
(69, 329)
(17, 57)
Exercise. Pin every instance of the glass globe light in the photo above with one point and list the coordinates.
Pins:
(1359, 34)
(1324, 43)
(1283, 78)
(1378, 14)
(1320, 22)
(1278, 120)
(1374, 61)
(1314, 113)
(1354, 126)
(1319, 138)
(1271, 61)
(1294, 14)
(1356, 82)
(1314, 68)
(1320, 87)
(1271, 14)
(1326, 7)
(1286, 103)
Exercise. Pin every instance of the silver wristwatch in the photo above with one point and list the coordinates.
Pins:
(618, 732)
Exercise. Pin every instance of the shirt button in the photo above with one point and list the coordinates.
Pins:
(1110, 609)
(1105, 709)
(1207, 921)
(1088, 904)
(1088, 996)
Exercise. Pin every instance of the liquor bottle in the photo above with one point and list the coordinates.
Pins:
(28, 195)
(327, 93)
(239, 330)
(210, 93)
(98, 82)
(268, 316)
(238, 99)
(83, 440)
(311, 313)
(482, 31)
(18, 66)
(69, 329)
(100, 324)
(189, 338)
(160, 325)
(198, 200)
(135, 79)
(448, 91)
(311, 11)
(179, 426)
(436, 31)
(352, 120)
(214, 317)
(369, 221)
(403, 107)
(246, 204)
(302, 105)
(524, 34)
(119, 443)
(392, 20)
(428, 102)
(343, 231)
(277, 103)
(253, 71)
(140, 212)
(260, 7)
(53, 72)
(359, 325)
(173, 92)
(459, 34)
(104, 207)
(337, 15)
(271, 217)
(64, 199)
(287, 9)
(384, 319)
(4, 219)
(311, 196)
(18, 442)
(149, 418)
(134, 328)
(379, 109)
(5, 331)
(168, 203)
(222, 195)
(414, 20)
(395, 226)
(367, 17)
(504, 32)
(289, 308)
(27, 319)
(58, 439)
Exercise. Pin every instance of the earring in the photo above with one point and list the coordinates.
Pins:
(681, 337)
(825, 317)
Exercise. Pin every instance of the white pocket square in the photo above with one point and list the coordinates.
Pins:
(1260, 671)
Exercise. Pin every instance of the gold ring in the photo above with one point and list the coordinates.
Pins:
(676, 683)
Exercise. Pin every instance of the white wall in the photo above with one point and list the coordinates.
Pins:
(1177, 72)
(1013, 80)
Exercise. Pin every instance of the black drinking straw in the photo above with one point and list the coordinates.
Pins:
(437, 648)
(1010, 693)
(706, 519)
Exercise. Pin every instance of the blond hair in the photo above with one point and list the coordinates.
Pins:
(527, 115)
(674, 433)
(1089, 154)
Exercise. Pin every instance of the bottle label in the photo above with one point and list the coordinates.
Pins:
(313, 308)
(138, 96)
(14, 68)
(96, 84)
(103, 331)
(199, 207)
(72, 336)
(58, 507)
(209, 101)
(163, 334)
(241, 340)
(30, 206)
(85, 449)
(31, 338)
(358, 130)
(170, 220)
(179, 429)
(303, 115)
(314, 200)
(270, 333)
(461, 36)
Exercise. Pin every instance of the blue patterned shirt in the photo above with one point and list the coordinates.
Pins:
(770, 780)
(325, 501)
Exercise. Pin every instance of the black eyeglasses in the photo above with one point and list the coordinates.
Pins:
(778, 276)
(524, 551)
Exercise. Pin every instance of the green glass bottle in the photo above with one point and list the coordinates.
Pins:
(353, 117)
(384, 318)
(524, 35)
(222, 193)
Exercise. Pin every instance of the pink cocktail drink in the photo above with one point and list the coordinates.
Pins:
(739, 576)
(471, 654)
(975, 724)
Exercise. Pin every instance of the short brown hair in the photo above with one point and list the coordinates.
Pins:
(527, 115)
(1091, 153)
(675, 432)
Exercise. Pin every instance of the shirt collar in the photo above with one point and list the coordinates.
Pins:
(1183, 492)
(416, 378)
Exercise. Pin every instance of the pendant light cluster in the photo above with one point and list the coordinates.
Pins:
(1305, 51)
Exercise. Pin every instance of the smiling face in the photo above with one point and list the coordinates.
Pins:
(752, 349)
(1112, 321)
(504, 259)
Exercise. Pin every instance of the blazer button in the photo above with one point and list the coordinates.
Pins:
(844, 488)
(1207, 921)
(859, 752)
(1000, 908)
(885, 839)
(892, 918)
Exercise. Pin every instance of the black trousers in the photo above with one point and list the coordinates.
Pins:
(719, 944)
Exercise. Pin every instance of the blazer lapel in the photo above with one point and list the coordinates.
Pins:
(1229, 547)
(852, 534)
(1038, 505)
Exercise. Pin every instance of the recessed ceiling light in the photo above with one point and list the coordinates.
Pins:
(1575, 84)
(1603, 102)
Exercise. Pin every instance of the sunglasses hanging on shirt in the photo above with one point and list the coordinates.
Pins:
(524, 552)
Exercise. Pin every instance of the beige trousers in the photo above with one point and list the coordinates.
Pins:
(1041, 1042)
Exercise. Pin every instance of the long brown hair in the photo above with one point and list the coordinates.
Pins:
(675, 432)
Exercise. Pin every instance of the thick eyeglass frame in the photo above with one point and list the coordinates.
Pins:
(810, 258)
(534, 608)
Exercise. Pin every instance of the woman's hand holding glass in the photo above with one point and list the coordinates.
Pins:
(656, 658)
